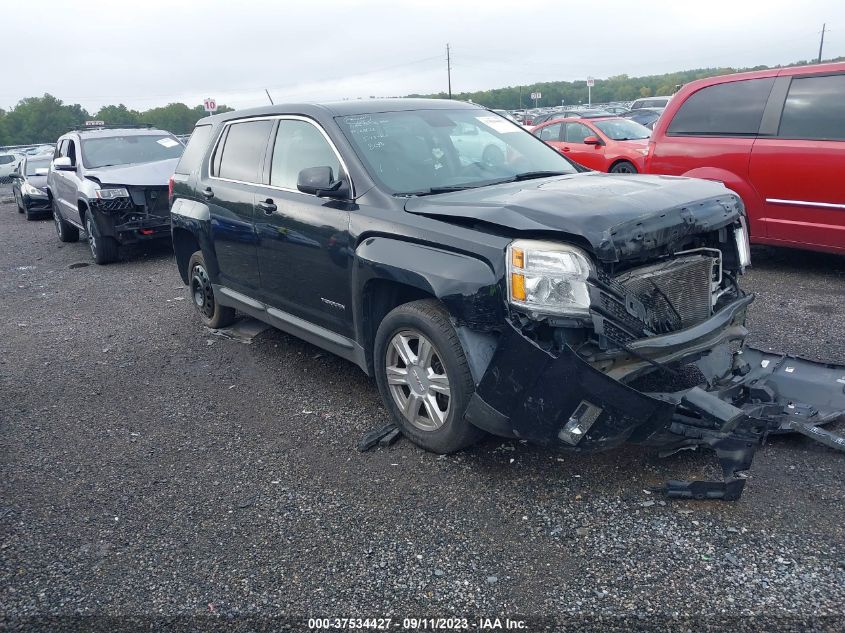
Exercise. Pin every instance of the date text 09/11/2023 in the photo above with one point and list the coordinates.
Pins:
(418, 624)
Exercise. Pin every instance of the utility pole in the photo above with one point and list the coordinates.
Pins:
(449, 69)
(821, 44)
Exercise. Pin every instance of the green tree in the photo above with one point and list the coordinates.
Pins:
(41, 120)
(118, 115)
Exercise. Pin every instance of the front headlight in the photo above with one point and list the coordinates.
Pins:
(548, 277)
(111, 194)
(29, 190)
(743, 245)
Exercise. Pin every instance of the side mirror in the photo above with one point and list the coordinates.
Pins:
(15, 174)
(592, 140)
(320, 182)
(63, 163)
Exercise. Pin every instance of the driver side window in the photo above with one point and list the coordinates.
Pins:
(551, 132)
(300, 145)
(577, 132)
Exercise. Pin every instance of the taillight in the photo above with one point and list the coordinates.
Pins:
(170, 189)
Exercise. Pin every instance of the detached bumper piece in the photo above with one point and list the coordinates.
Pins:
(556, 397)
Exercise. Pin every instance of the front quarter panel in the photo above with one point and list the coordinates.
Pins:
(467, 286)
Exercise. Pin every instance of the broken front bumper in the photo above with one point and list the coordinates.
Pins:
(560, 398)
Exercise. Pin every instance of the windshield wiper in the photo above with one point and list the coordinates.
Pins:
(530, 175)
(436, 190)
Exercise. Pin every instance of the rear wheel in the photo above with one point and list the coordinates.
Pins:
(424, 378)
(103, 248)
(213, 314)
(623, 167)
(66, 232)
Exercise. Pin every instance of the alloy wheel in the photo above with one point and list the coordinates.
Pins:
(417, 380)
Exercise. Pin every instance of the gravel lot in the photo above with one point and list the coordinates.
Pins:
(152, 469)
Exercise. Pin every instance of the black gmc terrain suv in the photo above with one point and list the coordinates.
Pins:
(487, 283)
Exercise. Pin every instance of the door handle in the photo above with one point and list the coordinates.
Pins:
(565, 149)
(207, 193)
(267, 206)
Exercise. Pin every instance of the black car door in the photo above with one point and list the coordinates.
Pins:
(236, 168)
(303, 253)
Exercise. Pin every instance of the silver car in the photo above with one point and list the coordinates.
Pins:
(112, 183)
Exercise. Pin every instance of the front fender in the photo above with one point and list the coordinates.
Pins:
(467, 286)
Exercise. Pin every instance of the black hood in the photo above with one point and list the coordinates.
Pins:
(620, 216)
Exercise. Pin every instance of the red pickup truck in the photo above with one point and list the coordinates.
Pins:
(776, 137)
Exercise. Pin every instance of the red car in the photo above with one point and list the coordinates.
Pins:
(776, 137)
(609, 144)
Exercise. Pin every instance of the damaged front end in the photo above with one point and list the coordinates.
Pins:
(133, 213)
(646, 346)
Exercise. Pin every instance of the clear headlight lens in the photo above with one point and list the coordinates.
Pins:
(743, 245)
(29, 190)
(548, 277)
(111, 194)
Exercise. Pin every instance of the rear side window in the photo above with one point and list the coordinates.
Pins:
(195, 150)
(244, 149)
(815, 109)
(5, 159)
(729, 109)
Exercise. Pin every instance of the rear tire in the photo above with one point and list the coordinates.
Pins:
(213, 315)
(424, 378)
(624, 167)
(103, 248)
(66, 232)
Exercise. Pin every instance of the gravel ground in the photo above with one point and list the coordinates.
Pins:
(153, 470)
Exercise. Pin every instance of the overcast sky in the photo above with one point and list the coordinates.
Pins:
(95, 52)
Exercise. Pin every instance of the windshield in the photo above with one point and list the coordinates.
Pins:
(123, 150)
(424, 151)
(622, 129)
(34, 164)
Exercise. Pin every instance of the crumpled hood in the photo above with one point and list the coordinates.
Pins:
(153, 174)
(620, 216)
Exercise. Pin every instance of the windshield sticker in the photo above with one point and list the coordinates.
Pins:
(499, 124)
(167, 142)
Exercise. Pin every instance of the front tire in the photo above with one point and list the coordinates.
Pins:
(213, 315)
(624, 167)
(67, 232)
(103, 248)
(18, 201)
(424, 378)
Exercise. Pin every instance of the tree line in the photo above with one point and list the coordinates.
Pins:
(44, 119)
(612, 89)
